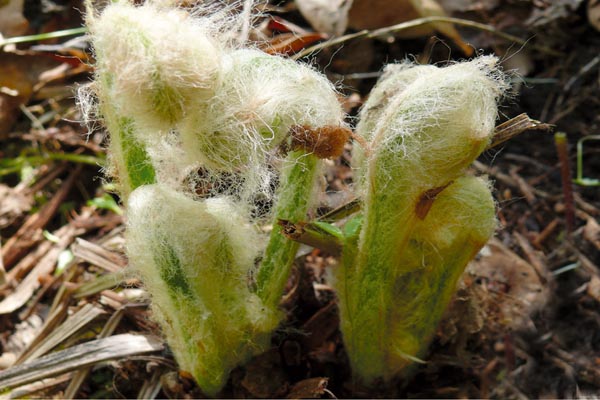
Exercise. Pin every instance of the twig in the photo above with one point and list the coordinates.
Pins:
(419, 22)
(19, 244)
(560, 140)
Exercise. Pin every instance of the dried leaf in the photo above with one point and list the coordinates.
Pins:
(312, 388)
(514, 283)
(290, 43)
(14, 202)
(327, 16)
(72, 325)
(374, 14)
(593, 288)
(264, 376)
(19, 73)
(12, 21)
(591, 232)
(24, 334)
(593, 13)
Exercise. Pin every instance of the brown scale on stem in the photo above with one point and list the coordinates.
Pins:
(323, 142)
(426, 200)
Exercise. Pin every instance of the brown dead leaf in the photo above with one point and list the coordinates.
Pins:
(13, 204)
(12, 21)
(320, 326)
(593, 13)
(327, 16)
(264, 376)
(591, 232)
(593, 288)
(514, 283)
(374, 14)
(19, 74)
(312, 388)
(290, 43)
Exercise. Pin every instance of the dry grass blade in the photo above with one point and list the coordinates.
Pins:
(18, 245)
(514, 127)
(33, 390)
(103, 282)
(80, 356)
(420, 22)
(98, 255)
(73, 324)
(151, 386)
(45, 266)
(80, 375)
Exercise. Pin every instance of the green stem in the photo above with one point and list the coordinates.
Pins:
(385, 234)
(295, 195)
(43, 36)
(132, 163)
(320, 235)
(581, 180)
(11, 166)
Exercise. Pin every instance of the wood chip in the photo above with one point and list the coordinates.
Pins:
(591, 232)
(593, 288)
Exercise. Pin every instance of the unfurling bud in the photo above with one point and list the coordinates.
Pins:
(260, 98)
(423, 221)
(154, 63)
(195, 259)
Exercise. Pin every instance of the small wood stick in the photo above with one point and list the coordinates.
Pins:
(560, 140)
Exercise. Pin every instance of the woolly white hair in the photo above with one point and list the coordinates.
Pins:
(156, 61)
(195, 262)
(260, 98)
(438, 115)
(196, 99)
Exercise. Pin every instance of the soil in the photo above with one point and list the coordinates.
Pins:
(525, 322)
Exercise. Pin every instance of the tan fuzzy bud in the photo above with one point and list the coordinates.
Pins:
(423, 220)
(155, 62)
(259, 99)
(195, 259)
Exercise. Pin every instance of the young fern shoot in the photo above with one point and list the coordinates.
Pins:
(422, 219)
(176, 98)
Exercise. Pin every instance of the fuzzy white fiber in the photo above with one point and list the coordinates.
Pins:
(195, 259)
(155, 62)
(394, 80)
(259, 99)
(198, 100)
(201, 120)
(441, 120)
